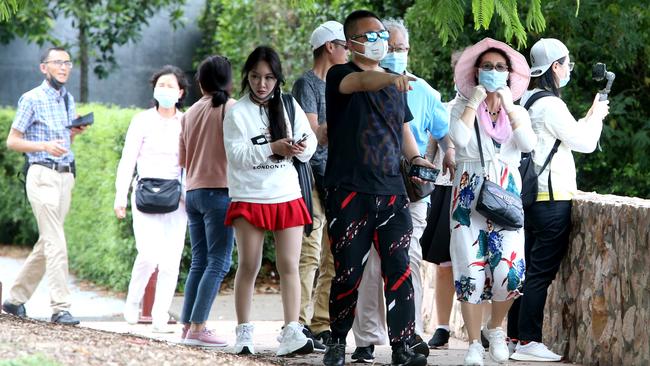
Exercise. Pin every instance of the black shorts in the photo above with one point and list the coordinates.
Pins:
(436, 236)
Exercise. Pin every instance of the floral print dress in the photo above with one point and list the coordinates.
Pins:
(487, 260)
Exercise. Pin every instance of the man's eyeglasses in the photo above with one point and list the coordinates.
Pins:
(59, 63)
(341, 44)
(398, 49)
(500, 67)
(374, 36)
(571, 64)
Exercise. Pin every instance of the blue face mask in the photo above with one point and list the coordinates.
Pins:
(493, 80)
(565, 81)
(395, 61)
(166, 97)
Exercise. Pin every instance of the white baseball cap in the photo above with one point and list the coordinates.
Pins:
(326, 32)
(544, 53)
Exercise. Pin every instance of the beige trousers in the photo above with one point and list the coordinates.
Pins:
(369, 325)
(49, 194)
(316, 254)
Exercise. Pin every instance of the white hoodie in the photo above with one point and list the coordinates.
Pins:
(552, 120)
(253, 176)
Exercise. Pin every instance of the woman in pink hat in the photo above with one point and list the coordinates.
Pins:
(487, 260)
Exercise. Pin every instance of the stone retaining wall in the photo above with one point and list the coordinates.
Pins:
(598, 307)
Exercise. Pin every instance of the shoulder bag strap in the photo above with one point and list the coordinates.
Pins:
(287, 100)
(480, 146)
(66, 100)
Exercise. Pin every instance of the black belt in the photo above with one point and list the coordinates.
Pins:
(61, 168)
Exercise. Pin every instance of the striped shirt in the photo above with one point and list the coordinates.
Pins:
(41, 116)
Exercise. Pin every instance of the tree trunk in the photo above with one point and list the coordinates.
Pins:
(83, 60)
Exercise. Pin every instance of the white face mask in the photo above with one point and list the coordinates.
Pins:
(376, 50)
(166, 97)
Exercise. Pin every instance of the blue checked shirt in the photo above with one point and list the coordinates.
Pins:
(41, 116)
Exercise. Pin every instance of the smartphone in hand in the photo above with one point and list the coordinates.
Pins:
(302, 139)
(86, 120)
(424, 173)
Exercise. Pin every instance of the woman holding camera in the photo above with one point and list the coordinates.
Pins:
(261, 143)
(487, 260)
(548, 220)
(151, 145)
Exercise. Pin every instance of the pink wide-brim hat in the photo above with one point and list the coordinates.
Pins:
(465, 71)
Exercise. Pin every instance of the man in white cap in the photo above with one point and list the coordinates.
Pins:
(328, 45)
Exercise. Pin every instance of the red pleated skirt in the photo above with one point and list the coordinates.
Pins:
(270, 216)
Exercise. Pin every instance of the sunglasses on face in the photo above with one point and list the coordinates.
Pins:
(500, 67)
(374, 36)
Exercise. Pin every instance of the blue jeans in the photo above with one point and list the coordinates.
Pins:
(212, 243)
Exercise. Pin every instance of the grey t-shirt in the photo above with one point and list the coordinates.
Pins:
(309, 91)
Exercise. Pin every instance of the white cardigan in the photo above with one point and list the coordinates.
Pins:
(252, 175)
(523, 140)
(552, 120)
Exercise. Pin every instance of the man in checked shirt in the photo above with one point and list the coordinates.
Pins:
(40, 130)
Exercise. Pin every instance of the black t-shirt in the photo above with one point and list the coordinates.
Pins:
(364, 130)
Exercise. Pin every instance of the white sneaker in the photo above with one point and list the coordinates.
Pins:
(535, 351)
(244, 342)
(498, 346)
(474, 356)
(161, 328)
(293, 340)
(131, 313)
(511, 346)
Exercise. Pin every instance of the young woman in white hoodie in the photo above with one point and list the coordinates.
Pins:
(548, 220)
(263, 184)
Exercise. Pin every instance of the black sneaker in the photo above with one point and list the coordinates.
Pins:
(64, 317)
(17, 310)
(335, 354)
(318, 346)
(440, 339)
(417, 345)
(323, 337)
(404, 356)
(364, 354)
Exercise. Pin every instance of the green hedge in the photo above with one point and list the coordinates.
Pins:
(100, 247)
(16, 219)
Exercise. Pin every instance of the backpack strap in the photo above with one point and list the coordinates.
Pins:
(533, 98)
(540, 94)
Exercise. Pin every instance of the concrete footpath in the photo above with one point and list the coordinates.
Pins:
(99, 310)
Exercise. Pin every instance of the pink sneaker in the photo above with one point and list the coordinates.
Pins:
(204, 338)
(186, 328)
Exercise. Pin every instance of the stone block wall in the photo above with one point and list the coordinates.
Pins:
(598, 308)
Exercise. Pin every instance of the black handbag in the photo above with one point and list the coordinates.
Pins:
(303, 168)
(415, 191)
(155, 195)
(495, 203)
(529, 186)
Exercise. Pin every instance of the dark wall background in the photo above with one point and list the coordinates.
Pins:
(127, 85)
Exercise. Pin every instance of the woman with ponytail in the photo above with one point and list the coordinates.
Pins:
(261, 143)
(203, 156)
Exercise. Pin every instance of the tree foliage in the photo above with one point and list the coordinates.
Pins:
(102, 25)
(8, 8)
(235, 28)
